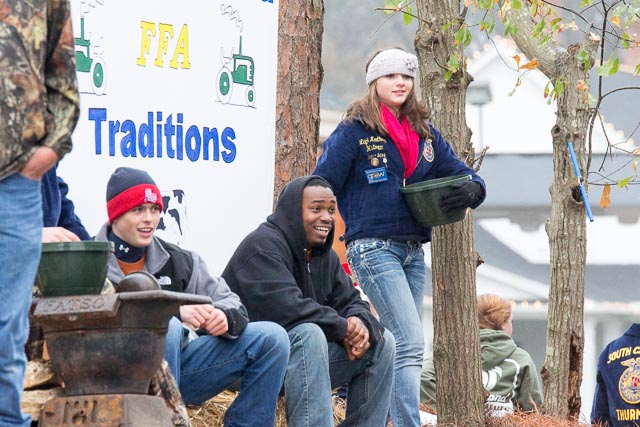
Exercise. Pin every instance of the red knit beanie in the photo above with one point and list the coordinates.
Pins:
(128, 188)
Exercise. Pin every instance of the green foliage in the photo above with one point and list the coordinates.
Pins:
(610, 67)
(626, 40)
(625, 14)
(408, 17)
(389, 5)
(484, 4)
(463, 35)
(538, 29)
(558, 88)
(488, 26)
(453, 65)
(555, 25)
(583, 57)
(510, 29)
(623, 182)
(555, 90)
(402, 6)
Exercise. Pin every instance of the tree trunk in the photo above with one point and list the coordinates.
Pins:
(298, 93)
(562, 370)
(459, 390)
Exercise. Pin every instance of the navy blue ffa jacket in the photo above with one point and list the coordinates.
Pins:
(617, 397)
(366, 172)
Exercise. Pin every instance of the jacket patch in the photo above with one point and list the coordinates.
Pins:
(427, 153)
(629, 383)
(376, 175)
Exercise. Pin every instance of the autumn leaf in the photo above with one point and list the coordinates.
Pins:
(615, 20)
(468, 3)
(517, 58)
(605, 199)
(530, 65)
(580, 85)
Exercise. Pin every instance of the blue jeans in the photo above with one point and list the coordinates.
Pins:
(392, 275)
(316, 366)
(20, 247)
(208, 365)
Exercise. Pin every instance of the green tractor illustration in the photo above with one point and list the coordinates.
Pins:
(89, 60)
(241, 74)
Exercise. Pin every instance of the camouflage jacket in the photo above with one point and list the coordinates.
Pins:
(39, 102)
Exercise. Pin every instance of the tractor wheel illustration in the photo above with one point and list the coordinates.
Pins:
(96, 75)
(225, 84)
(250, 96)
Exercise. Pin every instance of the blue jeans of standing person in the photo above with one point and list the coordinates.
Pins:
(208, 365)
(20, 247)
(316, 366)
(392, 275)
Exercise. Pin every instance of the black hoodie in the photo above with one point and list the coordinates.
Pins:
(270, 273)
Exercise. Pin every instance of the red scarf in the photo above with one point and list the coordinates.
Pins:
(405, 138)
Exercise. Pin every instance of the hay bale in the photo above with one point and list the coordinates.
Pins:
(531, 419)
(211, 413)
(521, 419)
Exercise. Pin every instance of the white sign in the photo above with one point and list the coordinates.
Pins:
(186, 91)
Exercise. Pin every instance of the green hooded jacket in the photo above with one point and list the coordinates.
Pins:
(508, 375)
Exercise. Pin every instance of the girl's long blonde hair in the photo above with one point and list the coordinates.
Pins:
(367, 109)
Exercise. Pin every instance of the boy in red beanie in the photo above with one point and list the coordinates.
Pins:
(225, 346)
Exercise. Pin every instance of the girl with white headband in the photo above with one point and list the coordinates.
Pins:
(384, 140)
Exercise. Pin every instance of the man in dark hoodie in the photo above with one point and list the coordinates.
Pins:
(285, 271)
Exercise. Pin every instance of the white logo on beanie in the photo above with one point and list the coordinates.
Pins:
(150, 196)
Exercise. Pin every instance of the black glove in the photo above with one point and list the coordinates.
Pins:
(461, 196)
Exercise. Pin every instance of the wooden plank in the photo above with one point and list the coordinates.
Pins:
(33, 401)
(39, 373)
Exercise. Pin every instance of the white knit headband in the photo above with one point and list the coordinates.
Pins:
(392, 61)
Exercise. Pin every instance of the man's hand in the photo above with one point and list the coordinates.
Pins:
(58, 234)
(217, 323)
(205, 316)
(195, 314)
(356, 341)
(43, 159)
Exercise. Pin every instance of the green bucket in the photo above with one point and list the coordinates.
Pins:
(73, 268)
(423, 199)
